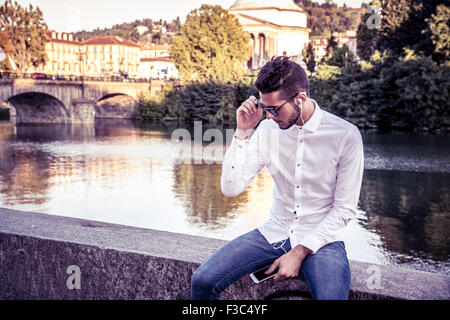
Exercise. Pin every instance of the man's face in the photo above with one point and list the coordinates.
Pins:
(287, 115)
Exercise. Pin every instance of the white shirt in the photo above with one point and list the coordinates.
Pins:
(317, 169)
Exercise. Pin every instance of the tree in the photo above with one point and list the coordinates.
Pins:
(343, 58)
(331, 45)
(402, 24)
(26, 30)
(326, 18)
(5, 45)
(212, 46)
(310, 61)
(367, 37)
(439, 31)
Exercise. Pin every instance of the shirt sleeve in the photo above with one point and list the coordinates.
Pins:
(242, 162)
(350, 170)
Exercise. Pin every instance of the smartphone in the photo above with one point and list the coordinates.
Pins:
(259, 275)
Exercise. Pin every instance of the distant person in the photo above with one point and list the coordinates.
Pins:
(316, 160)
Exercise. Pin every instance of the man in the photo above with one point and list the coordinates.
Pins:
(316, 160)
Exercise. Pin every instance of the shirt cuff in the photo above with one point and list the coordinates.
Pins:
(312, 243)
(240, 143)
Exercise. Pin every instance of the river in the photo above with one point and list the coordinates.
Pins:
(130, 173)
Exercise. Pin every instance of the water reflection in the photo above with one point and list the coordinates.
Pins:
(198, 187)
(126, 172)
(409, 210)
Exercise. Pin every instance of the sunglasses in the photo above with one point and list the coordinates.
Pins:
(273, 110)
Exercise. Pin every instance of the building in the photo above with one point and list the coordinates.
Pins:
(98, 57)
(63, 52)
(111, 55)
(158, 68)
(277, 27)
(319, 44)
(150, 50)
(156, 62)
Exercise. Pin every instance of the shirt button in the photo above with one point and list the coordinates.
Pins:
(298, 187)
(292, 231)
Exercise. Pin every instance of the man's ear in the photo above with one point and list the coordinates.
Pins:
(301, 96)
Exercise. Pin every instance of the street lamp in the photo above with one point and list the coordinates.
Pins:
(82, 52)
(82, 59)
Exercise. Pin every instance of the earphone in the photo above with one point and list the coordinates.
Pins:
(301, 111)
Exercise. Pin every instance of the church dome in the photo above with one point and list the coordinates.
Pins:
(255, 4)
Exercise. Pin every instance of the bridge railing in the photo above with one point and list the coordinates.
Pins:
(42, 76)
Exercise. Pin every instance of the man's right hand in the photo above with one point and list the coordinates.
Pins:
(248, 116)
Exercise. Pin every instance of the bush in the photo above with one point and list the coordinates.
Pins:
(410, 92)
(4, 114)
(151, 108)
(208, 101)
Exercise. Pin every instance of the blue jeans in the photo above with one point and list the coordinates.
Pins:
(326, 272)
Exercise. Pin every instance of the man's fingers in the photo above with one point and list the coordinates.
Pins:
(272, 267)
(278, 277)
(254, 103)
(245, 110)
(249, 108)
(251, 103)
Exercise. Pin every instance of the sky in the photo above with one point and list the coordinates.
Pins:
(76, 15)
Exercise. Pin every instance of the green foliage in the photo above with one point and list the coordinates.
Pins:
(129, 31)
(210, 54)
(405, 25)
(7, 48)
(326, 18)
(343, 58)
(246, 88)
(410, 93)
(331, 45)
(207, 101)
(26, 31)
(310, 60)
(4, 114)
(439, 31)
(151, 108)
(367, 38)
(416, 24)
(212, 47)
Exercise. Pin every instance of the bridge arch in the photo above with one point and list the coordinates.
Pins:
(38, 107)
(116, 105)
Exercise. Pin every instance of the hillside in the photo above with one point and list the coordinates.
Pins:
(147, 30)
(326, 18)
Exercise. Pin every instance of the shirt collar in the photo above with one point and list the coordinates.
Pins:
(313, 123)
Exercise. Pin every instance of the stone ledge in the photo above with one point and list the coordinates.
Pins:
(121, 262)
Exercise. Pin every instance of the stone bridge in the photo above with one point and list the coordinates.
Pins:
(62, 101)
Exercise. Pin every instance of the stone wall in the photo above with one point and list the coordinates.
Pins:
(116, 107)
(53, 257)
(83, 111)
